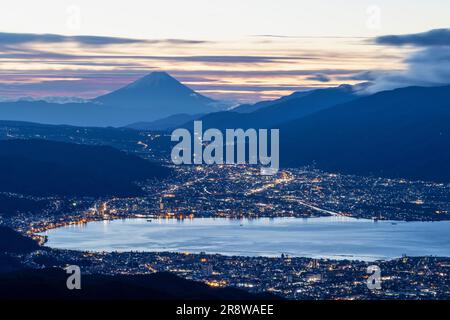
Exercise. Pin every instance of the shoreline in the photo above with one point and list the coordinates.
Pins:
(86, 218)
(369, 257)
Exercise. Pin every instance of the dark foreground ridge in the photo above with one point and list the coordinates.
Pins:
(13, 242)
(39, 167)
(20, 282)
(51, 284)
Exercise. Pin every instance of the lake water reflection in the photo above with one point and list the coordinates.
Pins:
(326, 237)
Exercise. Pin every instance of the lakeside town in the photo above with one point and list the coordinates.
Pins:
(238, 192)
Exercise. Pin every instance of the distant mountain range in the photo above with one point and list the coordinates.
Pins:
(403, 133)
(248, 108)
(260, 114)
(43, 168)
(51, 99)
(165, 124)
(152, 97)
(159, 93)
(270, 114)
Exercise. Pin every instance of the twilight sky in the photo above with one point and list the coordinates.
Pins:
(243, 50)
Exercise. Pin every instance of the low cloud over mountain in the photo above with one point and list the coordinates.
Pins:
(427, 65)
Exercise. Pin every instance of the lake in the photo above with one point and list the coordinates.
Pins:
(326, 237)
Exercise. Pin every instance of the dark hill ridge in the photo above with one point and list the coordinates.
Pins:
(65, 133)
(13, 242)
(248, 108)
(79, 114)
(400, 133)
(164, 124)
(40, 167)
(273, 114)
(11, 205)
(19, 282)
(51, 284)
(9, 263)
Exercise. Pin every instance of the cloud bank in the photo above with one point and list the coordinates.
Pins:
(7, 38)
(436, 37)
(427, 65)
(321, 77)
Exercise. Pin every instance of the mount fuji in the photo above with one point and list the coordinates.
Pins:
(160, 93)
(154, 96)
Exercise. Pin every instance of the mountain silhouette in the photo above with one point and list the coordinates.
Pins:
(155, 96)
(13, 242)
(164, 124)
(316, 95)
(270, 114)
(403, 133)
(50, 284)
(160, 93)
(45, 168)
